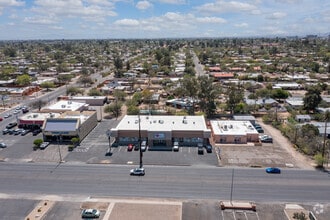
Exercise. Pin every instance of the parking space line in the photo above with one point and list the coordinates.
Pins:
(108, 212)
(223, 217)
(234, 215)
(246, 216)
(257, 216)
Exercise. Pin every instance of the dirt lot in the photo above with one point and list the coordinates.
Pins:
(280, 153)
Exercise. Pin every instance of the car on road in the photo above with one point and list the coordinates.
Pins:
(273, 170)
(130, 147)
(208, 148)
(11, 125)
(90, 213)
(137, 172)
(3, 145)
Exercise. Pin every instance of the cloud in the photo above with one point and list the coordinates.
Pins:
(39, 20)
(143, 5)
(210, 20)
(94, 10)
(10, 3)
(174, 2)
(127, 22)
(276, 15)
(222, 6)
(242, 25)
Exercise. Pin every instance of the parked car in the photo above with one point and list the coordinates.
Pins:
(200, 149)
(11, 125)
(17, 131)
(144, 146)
(7, 115)
(25, 131)
(36, 132)
(176, 146)
(266, 139)
(1, 119)
(44, 145)
(16, 112)
(260, 130)
(25, 110)
(273, 170)
(129, 147)
(90, 213)
(136, 147)
(3, 145)
(6, 131)
(137, 172)
(208, 148)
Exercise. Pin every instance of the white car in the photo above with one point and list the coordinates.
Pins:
(44, 145)
(90, 213)
(3, 145)
(137, 172)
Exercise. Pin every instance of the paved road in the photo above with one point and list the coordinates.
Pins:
(164, 182)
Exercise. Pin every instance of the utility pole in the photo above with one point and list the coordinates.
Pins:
(327, 115)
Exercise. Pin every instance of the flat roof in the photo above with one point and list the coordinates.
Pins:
(163, 123)
(38, 116)
(82, 116)
(66, 105)
(230, 127)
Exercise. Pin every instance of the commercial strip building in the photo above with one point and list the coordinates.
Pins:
(233, 132)
(69, 125)
(161, 131)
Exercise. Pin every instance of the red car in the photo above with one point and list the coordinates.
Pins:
(130, 147)
(1, 119)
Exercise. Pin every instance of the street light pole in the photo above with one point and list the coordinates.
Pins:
(141, 153)
(59, 149)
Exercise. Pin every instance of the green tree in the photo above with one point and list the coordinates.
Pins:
(85, 80)
(38, 104)
(118, 63)
(208, 92)
(279, 94)
(114, 108)
(312, 98)
(94, 92)
(189, 88)
(74, 91)
(235, 96)
(23, 80)
(47, 85)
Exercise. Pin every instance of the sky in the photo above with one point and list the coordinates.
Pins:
(131, 19)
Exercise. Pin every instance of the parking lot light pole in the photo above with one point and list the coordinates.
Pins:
(109, 136)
